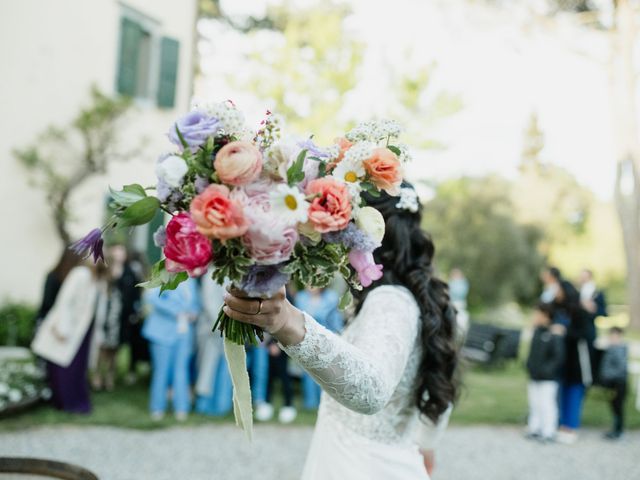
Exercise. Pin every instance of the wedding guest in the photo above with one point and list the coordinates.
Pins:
(67, 261)
(258, 365)
(214, 391)
(613, 375)
(543, 364)
(278, 370)
(593, 301)
(64, 338)
(129, 271)
(169, 327)
(459, 290)
(576, 372)
(321, 304)
(106, 329)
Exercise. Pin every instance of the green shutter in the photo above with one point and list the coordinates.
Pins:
(169, 48)
(130, 36)
(154, 253)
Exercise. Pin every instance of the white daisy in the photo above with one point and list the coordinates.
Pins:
(349, 171)
(289, 203)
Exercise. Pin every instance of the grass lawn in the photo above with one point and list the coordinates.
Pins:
(489, 396)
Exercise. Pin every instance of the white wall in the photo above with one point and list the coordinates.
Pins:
(51, 52)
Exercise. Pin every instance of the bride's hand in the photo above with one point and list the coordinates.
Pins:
(274, 315)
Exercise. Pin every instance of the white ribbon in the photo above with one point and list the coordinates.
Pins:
(237, 363)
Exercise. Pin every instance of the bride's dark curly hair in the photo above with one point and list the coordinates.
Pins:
(406, 255)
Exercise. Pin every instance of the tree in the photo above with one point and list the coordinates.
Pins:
(548, 196)
(621, 28)
(473, 226)
(62, 159)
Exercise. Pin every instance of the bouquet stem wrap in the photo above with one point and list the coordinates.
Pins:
(237, 363)
(236, 336)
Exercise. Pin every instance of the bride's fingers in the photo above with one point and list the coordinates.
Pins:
(262, 321)
(253, 306)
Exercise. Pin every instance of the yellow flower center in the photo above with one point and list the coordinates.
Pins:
(350, 177)
(291, 202)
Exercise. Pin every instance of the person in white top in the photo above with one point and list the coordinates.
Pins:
(391, 376)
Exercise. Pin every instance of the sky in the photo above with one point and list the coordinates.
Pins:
(504, 65)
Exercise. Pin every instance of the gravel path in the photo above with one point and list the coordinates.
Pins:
(277, 453)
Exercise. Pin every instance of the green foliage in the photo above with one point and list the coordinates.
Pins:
(140, 212)
(17, 324)
(295, 173)
(159, 277)
(231, 261)
(473, 226)
(61, 159)
(314, 68)
(317, 265)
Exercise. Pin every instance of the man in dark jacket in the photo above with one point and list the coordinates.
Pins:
(544, 363)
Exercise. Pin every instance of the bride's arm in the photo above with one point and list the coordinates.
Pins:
(361, 375)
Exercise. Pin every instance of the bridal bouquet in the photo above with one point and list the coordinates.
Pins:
(259, 210)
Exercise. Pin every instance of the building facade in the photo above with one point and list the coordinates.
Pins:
(52, 53)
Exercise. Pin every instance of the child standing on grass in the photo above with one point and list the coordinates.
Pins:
(545, 360)
(613, 375)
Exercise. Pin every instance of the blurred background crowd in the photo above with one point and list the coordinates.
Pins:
(526, 157)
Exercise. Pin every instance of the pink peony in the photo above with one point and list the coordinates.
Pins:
(269, 240)
(238, 163)
(217, 215)
(331, 208)
(186, 249)
(368, 270)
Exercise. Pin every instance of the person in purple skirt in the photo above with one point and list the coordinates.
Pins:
(64, 338)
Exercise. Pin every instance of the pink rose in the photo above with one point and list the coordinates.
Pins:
(217, 215)
(186, 249)
(330, 210)
(238, 163)
(368, 270)
(269, 240)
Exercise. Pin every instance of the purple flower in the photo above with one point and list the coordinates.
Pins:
(201, 183)
(163, 190)
(312, 149)
(91, 244)
(353, 238)
(195, 127)
(174, 200)
(160, 237)
(263, 280)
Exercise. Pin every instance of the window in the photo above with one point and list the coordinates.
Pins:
(147, 61)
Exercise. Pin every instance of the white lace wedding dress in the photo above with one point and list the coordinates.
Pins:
(368, 425)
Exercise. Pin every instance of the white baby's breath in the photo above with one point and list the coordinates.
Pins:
(374, 131)
(231, 119)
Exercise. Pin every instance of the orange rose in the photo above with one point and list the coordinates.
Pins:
(218, 216)
(238, 163)
(383, 167)
(344, 145)
(330, 210)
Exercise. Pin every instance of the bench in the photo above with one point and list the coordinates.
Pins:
(488, 344)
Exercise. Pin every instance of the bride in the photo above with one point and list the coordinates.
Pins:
(391, 376)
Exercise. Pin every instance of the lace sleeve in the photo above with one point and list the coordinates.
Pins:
(362, 375)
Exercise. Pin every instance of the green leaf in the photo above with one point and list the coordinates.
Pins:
(295, 173)
(395, 149)
(174, 281)
(129, 195)
(140, 212)
(184, 143)
(158, 276)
